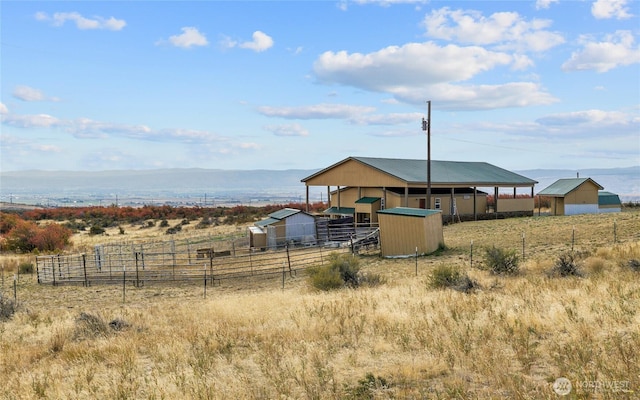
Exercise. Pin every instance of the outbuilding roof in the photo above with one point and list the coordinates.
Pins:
(442, 172)
(367, 200)
(608, 199)
(562, 187)
(278, 216)
(409, 212)
(340, 211)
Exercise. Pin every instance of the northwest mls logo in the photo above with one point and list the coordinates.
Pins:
(562, 386)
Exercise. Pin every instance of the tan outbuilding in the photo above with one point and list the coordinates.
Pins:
(573, 196)
(406, 231)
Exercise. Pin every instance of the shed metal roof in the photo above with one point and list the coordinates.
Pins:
(562, 187)
(340, 210)
(409, 212)
(284, 213)
(608, 199)
(442, 172)
(277, 216)
(367, 200)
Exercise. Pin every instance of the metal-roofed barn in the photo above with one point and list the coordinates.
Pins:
(573, 196)
(403, 183)
(286, 226)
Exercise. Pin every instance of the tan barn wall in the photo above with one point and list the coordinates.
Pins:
(557, 206)
(400, 235)
(354, 173)
(510, 205)
(464, 202)
(587, 193)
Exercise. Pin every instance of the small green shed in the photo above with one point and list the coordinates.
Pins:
(608, 202)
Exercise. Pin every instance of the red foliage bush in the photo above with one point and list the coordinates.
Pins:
(26, 236)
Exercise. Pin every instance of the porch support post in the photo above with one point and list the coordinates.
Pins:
(384, 197)
(475, 203)
(451, 207)
(307, 197)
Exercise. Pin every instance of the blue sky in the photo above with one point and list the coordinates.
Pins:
(303, 84)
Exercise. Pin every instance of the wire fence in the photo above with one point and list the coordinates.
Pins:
(189, 261)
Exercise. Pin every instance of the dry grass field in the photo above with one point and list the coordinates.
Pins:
(512, 338)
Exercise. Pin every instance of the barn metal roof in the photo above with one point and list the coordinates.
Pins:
(562, 187)
(409, 212)
(442, 172)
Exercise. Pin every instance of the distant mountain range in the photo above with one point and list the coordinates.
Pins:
(194, 182)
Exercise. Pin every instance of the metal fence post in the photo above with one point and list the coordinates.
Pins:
(53, 271)
(84, 267)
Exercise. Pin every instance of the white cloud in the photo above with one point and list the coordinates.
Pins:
(31, 121)
(3, 109)
(47, 148)
(387, 119)
(393, 68)
(480, 97)
(416, 70)
(615, 50)
(83, 23)
(249, 146)
(26, 93)
(605, 122)
(189, 37)
(261, 42)
(544, 4)
(85, 128)
(505, 30)
(606, 9)
(318, 111)
(287, 130)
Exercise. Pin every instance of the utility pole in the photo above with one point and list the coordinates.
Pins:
(426, 126)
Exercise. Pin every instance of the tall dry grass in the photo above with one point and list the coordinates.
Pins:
(512, 338)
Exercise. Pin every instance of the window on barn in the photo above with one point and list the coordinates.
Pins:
(438, 203)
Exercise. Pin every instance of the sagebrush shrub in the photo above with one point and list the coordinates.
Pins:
(444, 276)
(342, 270)
(501, 262)
(7, 308)
(25, 268)
(447, 276)
(566, 265)
(368, 388)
